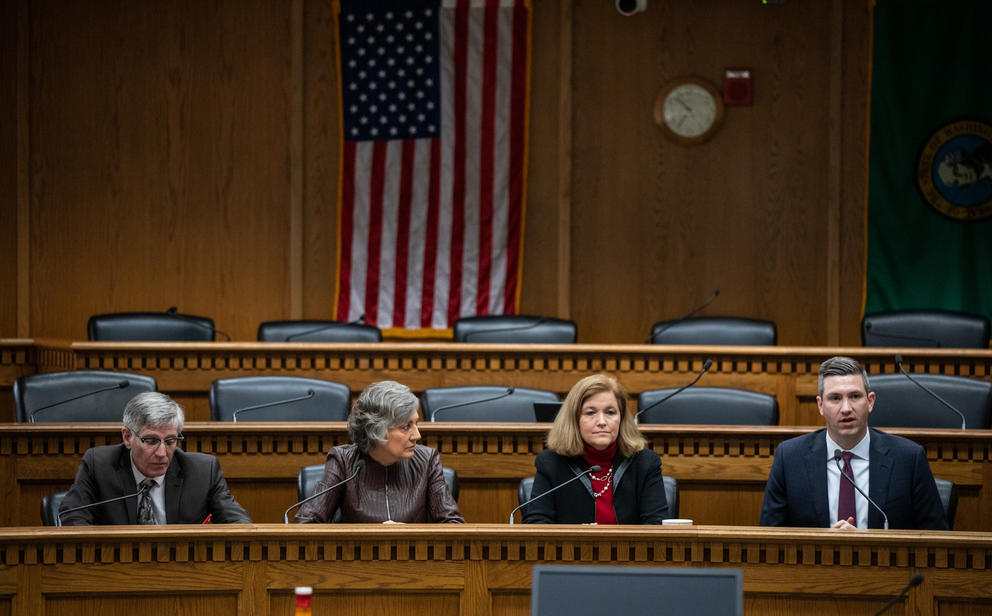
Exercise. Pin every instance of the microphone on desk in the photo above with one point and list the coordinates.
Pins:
(359, 465)
(359, 321)
(837, 458)
(706, 366)
(120, 385)
(501, 330)
(266, 405)
(507, 392)
(964, 423)
(929, 342)
(691, 313)
(59, 514)
(914, 581)
(172, 311)
(595, 468)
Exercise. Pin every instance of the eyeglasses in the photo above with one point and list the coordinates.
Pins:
(152, 442)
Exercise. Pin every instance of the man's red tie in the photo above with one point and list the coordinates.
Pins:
(845, 499)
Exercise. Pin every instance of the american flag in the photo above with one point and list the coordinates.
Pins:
(434, 122)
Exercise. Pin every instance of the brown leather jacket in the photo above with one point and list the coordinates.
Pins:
(411, 490)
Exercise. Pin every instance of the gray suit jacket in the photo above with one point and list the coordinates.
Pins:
(899, 481)
(194, 488)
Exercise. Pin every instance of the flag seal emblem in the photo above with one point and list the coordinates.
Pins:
(954, 171)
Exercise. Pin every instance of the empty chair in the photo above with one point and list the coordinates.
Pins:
(483, 403)
(733, 331)
(50, 507)
(525, 492)
(707, 405)
(925, 328)
(312, 330)
(278, 398)
(168, 326)
(948, 493)
(77, 396)
(308, 477)
(901, 403)
(515, 329)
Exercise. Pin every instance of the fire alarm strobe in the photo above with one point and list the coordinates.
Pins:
(737, 87)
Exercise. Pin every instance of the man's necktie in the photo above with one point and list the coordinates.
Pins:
(845, 498)
(146, 514)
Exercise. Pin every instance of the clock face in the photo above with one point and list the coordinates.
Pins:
(688, 110)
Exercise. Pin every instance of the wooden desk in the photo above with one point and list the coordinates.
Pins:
(185, 370)
(721, 469)
(468, 570)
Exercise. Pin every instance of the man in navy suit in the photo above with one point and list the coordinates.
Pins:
(806, 486)
(183, 488)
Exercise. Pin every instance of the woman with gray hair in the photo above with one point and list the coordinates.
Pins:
(401, 481)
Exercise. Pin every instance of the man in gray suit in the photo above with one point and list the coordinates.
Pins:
(809, 486)
(179, 487)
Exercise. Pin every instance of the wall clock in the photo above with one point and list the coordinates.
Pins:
(689, 110)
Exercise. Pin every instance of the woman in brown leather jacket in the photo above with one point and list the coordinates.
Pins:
(398, 480)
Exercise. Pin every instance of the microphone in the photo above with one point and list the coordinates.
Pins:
(964, 423)
(173, 312)
(592, 469)
(508, 392)
(706, 366)
(929, 342)
(58, 515)
(120, 385)
(358, 467)
(499, 330)
(914, 581)
(712, 298)
(359, 321)
(837, 457)
(234, 416)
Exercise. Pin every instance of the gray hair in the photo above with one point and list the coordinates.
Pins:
(841, 366)
(152, 408)
(383, 405)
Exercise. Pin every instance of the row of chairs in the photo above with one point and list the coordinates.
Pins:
(85, 395)
(908, 328)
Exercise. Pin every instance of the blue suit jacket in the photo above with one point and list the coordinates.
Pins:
(899, 481)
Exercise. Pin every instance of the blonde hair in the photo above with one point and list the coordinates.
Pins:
(564, 436)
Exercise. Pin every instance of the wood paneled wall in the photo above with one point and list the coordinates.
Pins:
(185, 153)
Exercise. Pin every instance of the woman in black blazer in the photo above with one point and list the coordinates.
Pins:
(595, 428)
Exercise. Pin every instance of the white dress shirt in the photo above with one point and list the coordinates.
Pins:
(859, 469)
(157, 493)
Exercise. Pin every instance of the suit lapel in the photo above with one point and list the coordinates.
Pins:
(879, 472)
(127, 485)
(173, 490)
(816, 475)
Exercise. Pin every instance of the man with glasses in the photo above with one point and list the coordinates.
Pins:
(175, 487)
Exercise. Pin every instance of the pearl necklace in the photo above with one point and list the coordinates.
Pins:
(608, 479)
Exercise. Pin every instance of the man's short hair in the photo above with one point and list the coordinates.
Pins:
(841, 366)
(152, 408)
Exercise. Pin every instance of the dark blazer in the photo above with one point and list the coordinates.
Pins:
(194, 488)
(638, 490)
(899, 481)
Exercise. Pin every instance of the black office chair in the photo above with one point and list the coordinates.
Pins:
(901, 403)
(77, 395)
(50, 507)
(278, 398)
(483, 403)
(708, 405)
(515, 329)
(925, 328)
(671, 494)
(734, 331)
(168, 326)
(307, 478)
(948, 493)
(312, 330)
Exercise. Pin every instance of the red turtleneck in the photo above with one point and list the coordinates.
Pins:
(604, 485)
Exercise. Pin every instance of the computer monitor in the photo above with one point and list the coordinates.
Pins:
(598, 590)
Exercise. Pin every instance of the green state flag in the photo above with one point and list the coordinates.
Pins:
(930, 158)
